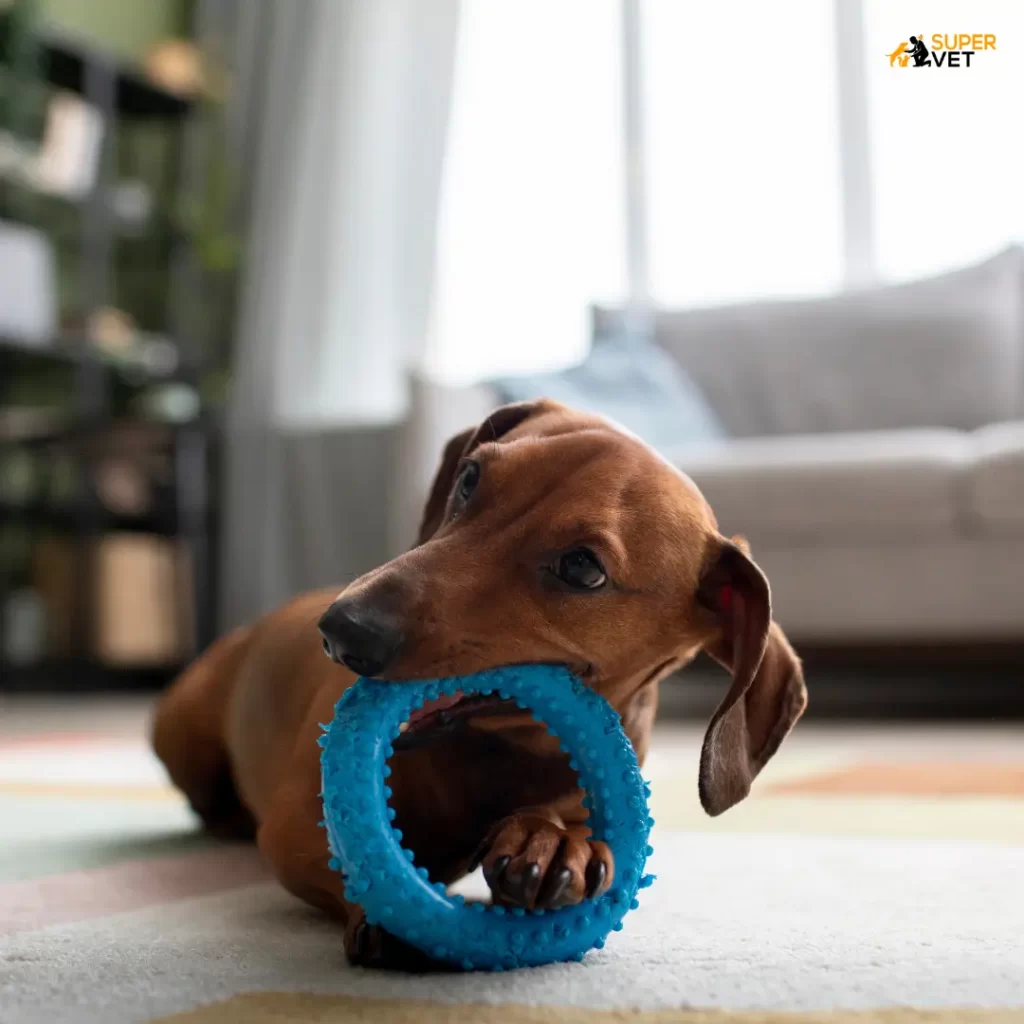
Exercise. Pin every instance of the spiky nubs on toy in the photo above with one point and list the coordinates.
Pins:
(381, 875)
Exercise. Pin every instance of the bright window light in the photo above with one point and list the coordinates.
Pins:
(947, 145)
(741, 103)
(531, 222)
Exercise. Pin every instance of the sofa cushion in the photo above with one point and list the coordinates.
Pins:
(905, 483)
(946, 351)
(631, 381)
(996, 487)
(930, 589)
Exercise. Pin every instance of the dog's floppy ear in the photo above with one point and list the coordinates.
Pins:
(495, 426)
(444, 479)
(767, 695)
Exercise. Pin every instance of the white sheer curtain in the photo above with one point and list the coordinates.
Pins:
(336, 291)
(349, 218)
(531, 220)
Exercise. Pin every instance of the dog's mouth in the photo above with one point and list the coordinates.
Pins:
(450, 714)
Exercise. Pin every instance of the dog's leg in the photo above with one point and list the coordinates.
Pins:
(188, 736)
(292, 840)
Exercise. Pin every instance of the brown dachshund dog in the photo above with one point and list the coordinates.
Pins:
(548, 536)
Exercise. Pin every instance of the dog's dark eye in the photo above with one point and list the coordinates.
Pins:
(581, 569)
(468, 479)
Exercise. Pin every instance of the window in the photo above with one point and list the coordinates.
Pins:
(762, 126)
(947, 152)
(531, 219)
(743, 178)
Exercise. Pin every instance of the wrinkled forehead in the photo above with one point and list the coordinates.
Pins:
(597, 481)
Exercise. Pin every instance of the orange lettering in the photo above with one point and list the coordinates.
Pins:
(990, 42)
(962, 42)
(936, 41)
(976, 42)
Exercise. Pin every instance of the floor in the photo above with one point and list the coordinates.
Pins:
(941, 751)
(129, 716)
(103, 715)
(874, 869)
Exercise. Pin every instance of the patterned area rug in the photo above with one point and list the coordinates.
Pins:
(875, 877)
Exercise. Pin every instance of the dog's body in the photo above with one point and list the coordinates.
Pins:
(549, 536)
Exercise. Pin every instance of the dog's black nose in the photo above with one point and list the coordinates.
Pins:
(360, 636)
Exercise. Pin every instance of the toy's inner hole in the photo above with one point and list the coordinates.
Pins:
(488, 759)
(451, 714)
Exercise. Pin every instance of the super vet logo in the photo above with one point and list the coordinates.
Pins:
(947, 51)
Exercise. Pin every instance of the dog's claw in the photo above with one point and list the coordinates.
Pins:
(557, 891)
(531, 882)
(496, 870)
(595, 876)
(360, 952)
(478, 857)
(375, 948)
(522, 888)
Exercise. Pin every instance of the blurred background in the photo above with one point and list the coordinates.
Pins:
(259, 259)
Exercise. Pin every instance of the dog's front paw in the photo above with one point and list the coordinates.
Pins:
(531, 862)
(369, 945)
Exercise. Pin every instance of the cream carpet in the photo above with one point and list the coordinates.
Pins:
(864, 900)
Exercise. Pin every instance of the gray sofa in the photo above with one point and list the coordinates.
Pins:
(875, 458)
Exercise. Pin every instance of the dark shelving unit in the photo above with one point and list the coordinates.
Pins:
(70, 63)
(83, 675)
(69, 516)
(118, 91)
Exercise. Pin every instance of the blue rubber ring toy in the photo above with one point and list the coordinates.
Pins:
(381, 875)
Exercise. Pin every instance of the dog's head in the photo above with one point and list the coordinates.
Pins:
(552, 536)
